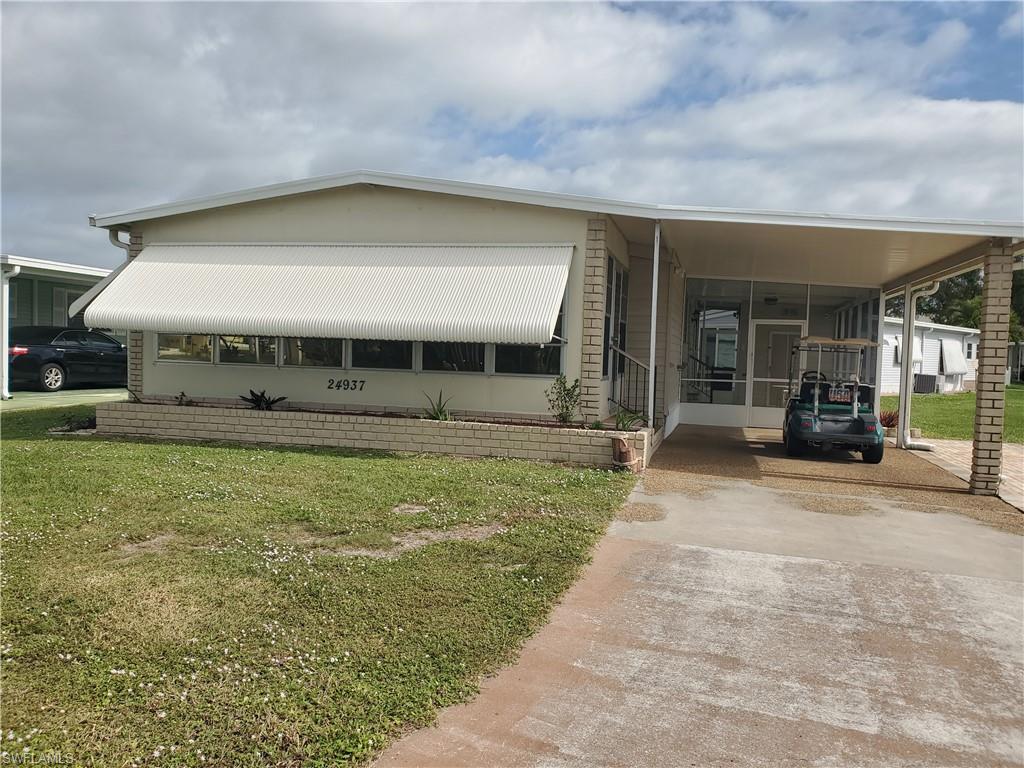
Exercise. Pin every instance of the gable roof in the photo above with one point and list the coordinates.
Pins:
(564, 201)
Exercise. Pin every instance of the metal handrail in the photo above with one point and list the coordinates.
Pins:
(629, 357)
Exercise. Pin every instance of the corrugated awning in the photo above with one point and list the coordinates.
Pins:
(953, 360)
(918, 349)
(468, 293)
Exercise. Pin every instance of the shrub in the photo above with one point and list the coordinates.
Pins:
(183, 399)
(626, 420)
(889, 418)
(438, 410)
(564, 399)
(259, 401)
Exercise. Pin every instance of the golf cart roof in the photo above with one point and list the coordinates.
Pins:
(824, 341)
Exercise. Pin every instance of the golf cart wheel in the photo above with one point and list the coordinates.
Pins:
(52, 377)
(794, 445)
(873, 455)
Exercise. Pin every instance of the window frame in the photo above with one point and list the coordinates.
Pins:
(218, 361)
(414, 359)
(345, 356)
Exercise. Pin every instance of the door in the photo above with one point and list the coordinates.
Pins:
(77, 356)
(109, 357)
(771, 345)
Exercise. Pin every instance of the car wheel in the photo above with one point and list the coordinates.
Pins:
(52, 377)
(873, 455)
(794, 445)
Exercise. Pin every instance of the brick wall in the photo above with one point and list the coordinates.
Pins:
(990, 379)
(592, 399)
(336, 430)
(135, 246)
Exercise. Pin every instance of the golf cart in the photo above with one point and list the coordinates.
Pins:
(831, 414)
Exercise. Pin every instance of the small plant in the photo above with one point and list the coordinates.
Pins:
(626, 420)
(564, 399)
(182, 399)
(889, 418)
(438, 410)
(259, 401)
(73, 424)
(597, 425)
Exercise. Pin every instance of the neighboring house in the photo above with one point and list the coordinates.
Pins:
(42, 291)
(364, 291)
(945, 356)
(39, 292)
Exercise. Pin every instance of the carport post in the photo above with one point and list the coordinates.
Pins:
(987, 458)
(906, 366)
(5, 335)
(654, 323)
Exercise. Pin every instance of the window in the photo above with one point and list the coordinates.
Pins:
(382, 354)
(323, 353)
(615, 299)
(970, 350)
(247, 350)
(453, 356)
(184, 347)
(102, 341)
(71, 339)
(63, 298)
(535, 359)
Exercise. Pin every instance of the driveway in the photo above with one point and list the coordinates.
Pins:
(29, 400)
(955, 456)
(751, 609)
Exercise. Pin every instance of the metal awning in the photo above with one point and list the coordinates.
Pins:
(953, 360)
(403, 292)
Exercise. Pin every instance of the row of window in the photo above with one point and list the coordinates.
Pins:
(543, 359)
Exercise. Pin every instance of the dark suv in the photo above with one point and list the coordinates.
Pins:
(52, 358)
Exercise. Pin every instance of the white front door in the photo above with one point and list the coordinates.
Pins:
(770, 348)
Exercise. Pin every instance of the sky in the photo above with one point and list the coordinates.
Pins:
(883, 108)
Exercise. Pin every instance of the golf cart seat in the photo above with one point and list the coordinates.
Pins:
(807, 391)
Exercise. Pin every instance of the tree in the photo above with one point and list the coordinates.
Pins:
(958, 302)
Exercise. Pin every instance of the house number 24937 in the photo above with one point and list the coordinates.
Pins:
(352, 385)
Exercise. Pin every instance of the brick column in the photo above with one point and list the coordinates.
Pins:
(995, 334)
(135, 337)
(594, 278)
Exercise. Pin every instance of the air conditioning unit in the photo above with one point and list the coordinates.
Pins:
(926, 383)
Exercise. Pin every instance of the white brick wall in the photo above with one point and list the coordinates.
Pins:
(337, 430)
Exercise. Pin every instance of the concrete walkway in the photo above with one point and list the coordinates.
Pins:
(955, 456)
(739, 616)
(29, 400)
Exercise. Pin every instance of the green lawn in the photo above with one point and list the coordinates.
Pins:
(192, 604)
(952, 416)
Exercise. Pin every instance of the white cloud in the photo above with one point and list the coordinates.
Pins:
(811, 107)
(1013, 24)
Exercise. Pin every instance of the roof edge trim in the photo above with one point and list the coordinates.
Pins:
(563, 201)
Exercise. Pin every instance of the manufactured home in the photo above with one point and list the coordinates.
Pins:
(358, 296)
(945, 357)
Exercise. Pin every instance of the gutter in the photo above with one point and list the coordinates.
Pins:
(5, 287)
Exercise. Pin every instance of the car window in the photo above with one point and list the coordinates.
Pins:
(72, 338)
(100, 340)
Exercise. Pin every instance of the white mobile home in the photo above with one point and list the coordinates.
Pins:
(363, 292)
(945, 357)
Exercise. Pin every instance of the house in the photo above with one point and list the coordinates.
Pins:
(358, 295)
(40, 292)
(945, 357)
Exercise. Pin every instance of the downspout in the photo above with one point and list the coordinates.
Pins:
(115, 240)
(5, 372)
(910, 297)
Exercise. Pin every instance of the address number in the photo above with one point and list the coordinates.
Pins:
(352, 385)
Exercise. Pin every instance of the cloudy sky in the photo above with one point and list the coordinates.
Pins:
(883, 108)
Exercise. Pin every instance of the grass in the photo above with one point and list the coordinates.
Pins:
(952, 416)
(187, 604)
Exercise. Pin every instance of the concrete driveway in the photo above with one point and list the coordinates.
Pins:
(30, 400)
(751, 609)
